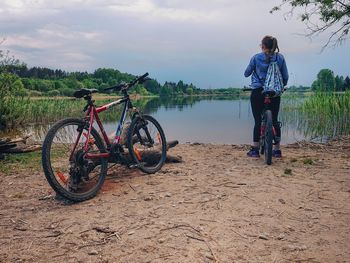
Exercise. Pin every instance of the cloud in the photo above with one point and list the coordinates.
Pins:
(205, 42)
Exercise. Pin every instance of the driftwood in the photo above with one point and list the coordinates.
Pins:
(17, 145)
(26, 149)
(152, 157)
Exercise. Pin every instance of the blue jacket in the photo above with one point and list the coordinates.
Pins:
(258, 68)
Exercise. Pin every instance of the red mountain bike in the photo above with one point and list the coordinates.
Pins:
(75, 158)
(267, 130)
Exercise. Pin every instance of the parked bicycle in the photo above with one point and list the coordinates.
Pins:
(267, 130)
(75, 158)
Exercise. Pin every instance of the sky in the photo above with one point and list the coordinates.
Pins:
(205, 42)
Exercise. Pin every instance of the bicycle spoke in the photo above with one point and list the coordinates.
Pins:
(147, 144)
(66, 167)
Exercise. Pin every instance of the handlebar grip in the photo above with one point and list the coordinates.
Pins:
(142, 77)
(127, 85)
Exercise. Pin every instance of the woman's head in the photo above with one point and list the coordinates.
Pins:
(269, 45)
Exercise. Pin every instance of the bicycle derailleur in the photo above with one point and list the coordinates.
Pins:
(79, 170)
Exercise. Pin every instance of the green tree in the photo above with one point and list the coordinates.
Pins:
(326, 80)
(180, 86)
(165, 91)
(347, 83)
(43, 85)
(53, 93)
(28, 83)
(10, 85)
(322, 15)
(339, 83)
(189, 91)
(152, 86)
(107, 73)
(72, 83)
(140, 90)
(18, 88)
(7, 61)
(59, 85)
(67, 92)
(89, 84)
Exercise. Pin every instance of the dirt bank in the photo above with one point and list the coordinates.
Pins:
(215, 206)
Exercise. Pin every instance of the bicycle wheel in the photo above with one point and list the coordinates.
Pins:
(147, 144)
(69, 173)
(268, 137)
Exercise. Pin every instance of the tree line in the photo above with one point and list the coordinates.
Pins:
(38, 81)
(326, 81)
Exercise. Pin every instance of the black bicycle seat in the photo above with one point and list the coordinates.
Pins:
(269, 93)
(83, 92)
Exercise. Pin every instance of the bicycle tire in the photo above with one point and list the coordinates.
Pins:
(49, 167)
(268, 137)
(136, 134)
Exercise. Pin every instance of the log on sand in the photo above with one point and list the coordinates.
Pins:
(17, 145)
(152, 157)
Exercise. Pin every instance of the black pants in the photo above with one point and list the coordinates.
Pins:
(257, 102)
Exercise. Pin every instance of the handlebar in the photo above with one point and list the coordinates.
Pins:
(250, 89)
(125, 86)
(247, 89)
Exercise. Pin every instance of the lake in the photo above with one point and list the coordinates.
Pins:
(209, 120)
(213, 121)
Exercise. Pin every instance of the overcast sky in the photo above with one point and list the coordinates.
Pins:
(206, 42)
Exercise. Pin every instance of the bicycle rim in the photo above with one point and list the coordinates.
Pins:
(147, 144)
(69, 172)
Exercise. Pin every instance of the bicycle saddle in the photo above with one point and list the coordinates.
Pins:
(83, 92)
(269, 93)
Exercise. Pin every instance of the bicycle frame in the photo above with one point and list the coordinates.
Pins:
(267, 102)
(92, 115)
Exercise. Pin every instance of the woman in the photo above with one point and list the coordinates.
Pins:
(257, 68)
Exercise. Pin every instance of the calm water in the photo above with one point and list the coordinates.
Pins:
(209, 120)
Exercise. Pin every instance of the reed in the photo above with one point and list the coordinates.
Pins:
(22, 111)
(327, 114)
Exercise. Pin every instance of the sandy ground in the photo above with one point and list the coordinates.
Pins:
(215, 206)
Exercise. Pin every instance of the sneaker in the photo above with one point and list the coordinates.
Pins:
(253, 152)
(277, 153)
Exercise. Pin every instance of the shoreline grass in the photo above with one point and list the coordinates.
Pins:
(329, 113)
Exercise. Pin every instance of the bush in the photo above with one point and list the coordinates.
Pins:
(53, 93)
(67, 92)
(21, 93)
(34, 93)
(10, 84)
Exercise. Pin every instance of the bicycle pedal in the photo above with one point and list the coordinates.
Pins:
(134, 166)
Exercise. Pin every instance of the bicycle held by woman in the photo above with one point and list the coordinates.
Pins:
(75, 158)
(268, 132)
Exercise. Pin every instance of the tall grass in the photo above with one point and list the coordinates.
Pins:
(22, 111)
(327, 114)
